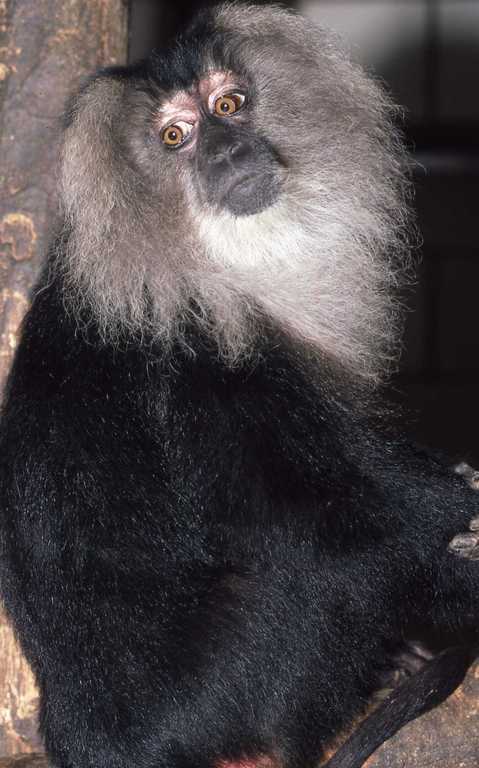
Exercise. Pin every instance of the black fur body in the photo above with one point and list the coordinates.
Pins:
(208, 564)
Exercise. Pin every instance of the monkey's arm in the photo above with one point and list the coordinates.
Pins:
(101, 574)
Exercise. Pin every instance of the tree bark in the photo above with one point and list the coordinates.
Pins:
(46, 47)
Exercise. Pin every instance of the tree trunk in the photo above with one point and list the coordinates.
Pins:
(46, 47)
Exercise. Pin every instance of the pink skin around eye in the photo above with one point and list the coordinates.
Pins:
(182, 107)
(215, 83)
(185, 106)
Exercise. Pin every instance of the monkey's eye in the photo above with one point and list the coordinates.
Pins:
(176, 134)
(228, 104)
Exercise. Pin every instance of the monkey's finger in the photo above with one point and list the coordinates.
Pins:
(463, 469)
(466, 545)
(470, 474)
(473, 480)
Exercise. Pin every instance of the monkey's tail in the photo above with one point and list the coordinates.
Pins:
(417, 695)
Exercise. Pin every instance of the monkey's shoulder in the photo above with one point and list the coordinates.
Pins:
(60, 357)
(185, 407)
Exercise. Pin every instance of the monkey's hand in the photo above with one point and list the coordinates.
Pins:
(467, 544)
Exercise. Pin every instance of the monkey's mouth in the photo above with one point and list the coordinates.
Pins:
(251, 193)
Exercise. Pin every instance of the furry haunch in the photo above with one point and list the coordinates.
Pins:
(209, 551)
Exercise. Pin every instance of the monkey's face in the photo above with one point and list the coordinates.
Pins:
(245, 110)
(250, 108)
(209, 128)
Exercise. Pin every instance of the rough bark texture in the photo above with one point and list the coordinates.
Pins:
(33, 760)
(46, 47)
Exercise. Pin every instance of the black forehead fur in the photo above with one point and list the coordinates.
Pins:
(176, 67)
(199, 48)
(181, 64)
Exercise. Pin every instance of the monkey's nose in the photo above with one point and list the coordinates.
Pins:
(230, 152)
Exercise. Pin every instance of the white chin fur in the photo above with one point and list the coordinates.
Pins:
(321, 270)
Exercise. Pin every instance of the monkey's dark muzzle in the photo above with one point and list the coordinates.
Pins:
(251, 194)
(238, 170)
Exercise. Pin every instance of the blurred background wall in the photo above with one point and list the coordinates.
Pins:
(427, 53)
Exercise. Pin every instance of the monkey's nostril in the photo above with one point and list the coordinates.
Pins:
(218, 158)
(236, 147)
(236, 150)
(240, 149)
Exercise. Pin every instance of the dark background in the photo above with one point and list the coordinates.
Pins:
(427, 53)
